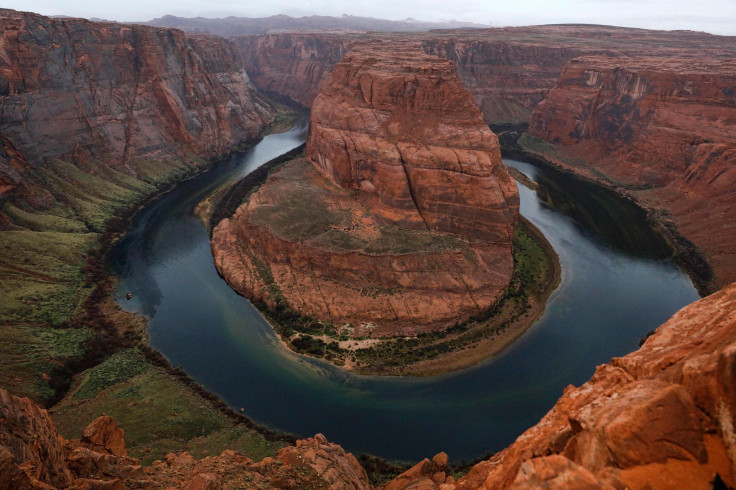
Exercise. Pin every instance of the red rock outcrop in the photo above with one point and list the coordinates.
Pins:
(662, 125)
(405, 226)
(28, 435)
(34, 456)
(85, 91)
(660, 417)
(398, 125)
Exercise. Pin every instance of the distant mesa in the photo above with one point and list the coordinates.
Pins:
(399, 220)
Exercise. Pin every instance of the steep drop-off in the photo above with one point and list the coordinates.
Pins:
(661, 128)
(94, 119)
(80, 91)
(34, 456)
(508, 71)
(404, 222)
(292, 65)
(661, 417)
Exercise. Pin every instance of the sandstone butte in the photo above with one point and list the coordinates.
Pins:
(116, 94)
(648, 112)
(660, 417)
(403, 221)
(660, 127)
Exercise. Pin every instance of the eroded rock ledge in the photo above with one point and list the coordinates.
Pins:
(661, 417)
(659, 127)
(403, 221)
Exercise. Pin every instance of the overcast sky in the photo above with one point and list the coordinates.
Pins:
(716, 16)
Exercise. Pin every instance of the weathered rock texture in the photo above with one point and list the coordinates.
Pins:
(663, 126)
(398, 125)
(292, 65)
(405, 222)
(34, 456)
(84, 91)
(508, 71)
(661, 417)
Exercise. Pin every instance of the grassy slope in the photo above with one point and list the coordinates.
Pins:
(50, 264)
(158, 413)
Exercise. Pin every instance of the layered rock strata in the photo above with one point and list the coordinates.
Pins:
(403, 221)
(399, 126)
(292, 65)
(508, 71)
(661, 127)
(84, 91)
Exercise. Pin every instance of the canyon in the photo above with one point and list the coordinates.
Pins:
(99, 117)
(576, 88)
(659, 417)
(118, 94)
(402, 223)
(659, 128)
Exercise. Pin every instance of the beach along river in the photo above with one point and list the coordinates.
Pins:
(617, 285)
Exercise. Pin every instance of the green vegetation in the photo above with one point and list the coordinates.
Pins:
(158, 412)
(536, 146)
(27, 352)
(64, 335)
(535, 276)
(51, 263)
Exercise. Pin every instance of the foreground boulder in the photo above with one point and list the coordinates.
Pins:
(660, 417)
(402, 216)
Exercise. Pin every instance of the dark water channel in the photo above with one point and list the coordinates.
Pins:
(611, 294)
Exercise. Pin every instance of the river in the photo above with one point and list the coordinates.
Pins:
(612, 292)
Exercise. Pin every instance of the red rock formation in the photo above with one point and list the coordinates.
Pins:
(28, 435)
(508, 71)
(412, 231)
(401, 127)
(82, 91)
(660, 417)
(103, 435)
(663, 125)
(292, 65)
(34, 456)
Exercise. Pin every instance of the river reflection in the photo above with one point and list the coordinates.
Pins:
(609, 296)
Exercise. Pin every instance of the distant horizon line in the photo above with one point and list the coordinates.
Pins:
(461, 24)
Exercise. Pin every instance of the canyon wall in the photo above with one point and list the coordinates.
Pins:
(662, 129)
(84, 91)
(399, 125)
(508, 71)
(293, 65)
(660, 417)
(507, 77)
(404, 221)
